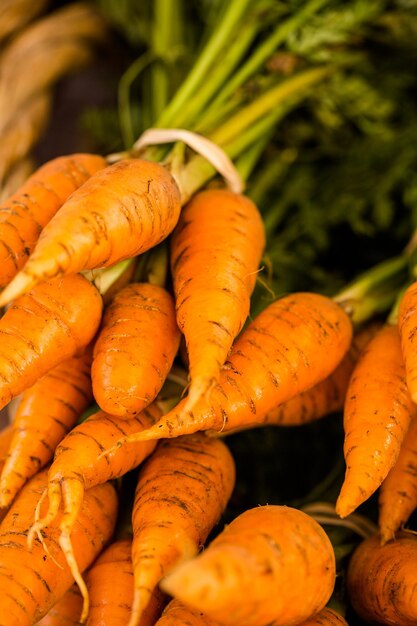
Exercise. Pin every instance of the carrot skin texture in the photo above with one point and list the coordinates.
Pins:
(181, 493)
(26, 212)
(32, 581)
(120, 212)
(293, 344)
(327, 396)
(381, 580)
(326, 617)
(216, 249)
(407, 324)
(110, 585)
(66, 612)
(45, 414)
(377, 414)
(53, 322)
(398, 492)
(177, 614)
(235, 580)
(135, 349)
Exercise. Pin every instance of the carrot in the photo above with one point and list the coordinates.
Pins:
(26, 213)
(381, 580)
(34, 580)
(6, 435)
(326, 397)
(135, 349)
(67, 611)
(407, 324)
(120, 212)
(376, 417)
(110, 585)
(398, 492)
(78, 466)
(216, 249)
(326, 617)
(272, 564)
(46, 412)
(182, 491)
(292, 345)
(177, 614)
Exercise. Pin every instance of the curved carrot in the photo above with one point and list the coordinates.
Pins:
(178, 614)
(407, 325)
(46, 412)
(272, 564)
(110, 586)
(216, 249)
(182, 491)
(398, 492)
(292, 345)
(381, 580)
(26, 213)
(67, 611)
(326, 617)
(120, 212)
(326, 397)
(135, 349)
(50, 324)
(377, 413)
(33, 580)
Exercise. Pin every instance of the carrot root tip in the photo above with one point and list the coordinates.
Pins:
(66, 545)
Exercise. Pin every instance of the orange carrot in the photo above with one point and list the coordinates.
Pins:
(32, 581)
(272, 564)
(326, 617)
(67, 611)
(182, 491)
(46, 412)
(326, 397)
(50, 324)
(78, 466)
(26, 213)
(215, 253)
(292, 345)
(135, 349)
(407, 325)
(377, 413)
(398, 493)
(120, 212)
(178, 614)
(110, 585)
(381, 580)
(6, 435)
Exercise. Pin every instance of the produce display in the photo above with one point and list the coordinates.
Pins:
(208, 319)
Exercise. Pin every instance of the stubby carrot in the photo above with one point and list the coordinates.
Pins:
(216, 249)
(377, 413)
(407, 325)
(178, 614)
(326, 617)
(67, 611)
(135, 349)
(382, 580)
(120, 212)
(182, 491)
(272, 564)
(52, 323)
(45, 414)
(326, 397)
(33, 580)
(292, 345)
(26, 213)
(398, 492)
(110, 586)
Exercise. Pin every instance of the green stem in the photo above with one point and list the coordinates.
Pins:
(393, 314)
(125, 83)
(269, 176)
(222, 35)
(247, 161)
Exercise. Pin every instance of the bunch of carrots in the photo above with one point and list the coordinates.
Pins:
(127, 351)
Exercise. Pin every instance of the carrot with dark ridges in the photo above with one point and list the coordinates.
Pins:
(377, 413)
(292, 345)
(326, 617)
(45, 414)
(216, 249)
(110, 587)
(53, 322)
(120, 212)
(407, 325)
(33, 580)
(271, 565)
(182, 491)
(26, 213)
(178, 614)
(65, 612)
(135, 349)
